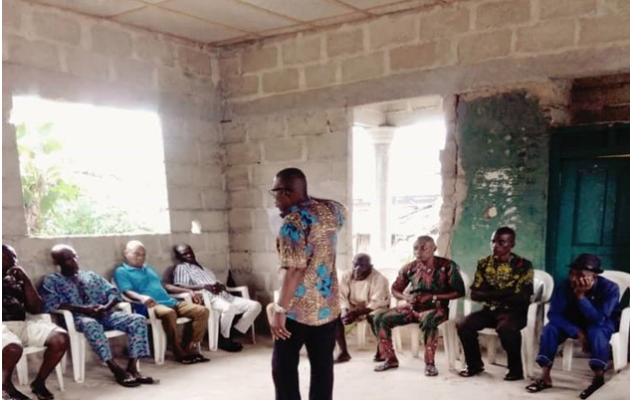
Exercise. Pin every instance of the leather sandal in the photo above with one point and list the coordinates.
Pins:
(430, 370)
(538, 386)
(597, 383)
(127, 381)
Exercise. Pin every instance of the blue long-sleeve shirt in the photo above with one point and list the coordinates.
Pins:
(599, 306)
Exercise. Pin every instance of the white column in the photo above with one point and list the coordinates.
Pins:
(382, 138)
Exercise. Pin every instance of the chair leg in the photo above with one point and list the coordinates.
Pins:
(213, 330)
(397, 340)
(253, 334)
(361, 331)
(75, 351)
(492, 349)
(59, 372)
(22, 370)
(415, 341)
(567, 355)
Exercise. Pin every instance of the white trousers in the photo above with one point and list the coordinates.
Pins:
(233, 307)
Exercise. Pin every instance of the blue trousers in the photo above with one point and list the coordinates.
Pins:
(597, 336)
(134, 325)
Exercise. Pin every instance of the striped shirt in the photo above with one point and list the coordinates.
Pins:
(187, 274)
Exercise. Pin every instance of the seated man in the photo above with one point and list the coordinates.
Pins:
(191, 275)
(434, 281)
(91, 299)
(504, 283)
(363, 292)
(19, 297)
(584, 307)
(141, 283)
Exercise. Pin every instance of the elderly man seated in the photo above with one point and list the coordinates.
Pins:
(192, 275)
(434, 281)
(584, 307)
(139, 281)
(19, 297)
(363, 292)
(91, 299)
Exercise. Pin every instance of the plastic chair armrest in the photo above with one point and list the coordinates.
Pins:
(67, 318)
(243, 290)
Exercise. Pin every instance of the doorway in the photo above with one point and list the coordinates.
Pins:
(589, 204)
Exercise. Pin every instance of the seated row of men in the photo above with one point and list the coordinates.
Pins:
(92, 300)
(585, 307)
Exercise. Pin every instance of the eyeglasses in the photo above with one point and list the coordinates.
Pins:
(274, 192)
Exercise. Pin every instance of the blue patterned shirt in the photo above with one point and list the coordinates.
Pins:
(308, 240)
(85, 289)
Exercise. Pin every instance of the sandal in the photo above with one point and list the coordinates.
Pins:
(199, 358)
(538, 386)
(596, 384)
(127, 381)
(187, 360)
(146, 380)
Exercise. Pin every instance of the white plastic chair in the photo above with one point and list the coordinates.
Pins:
(542, 280)
(619, 340)
(78, 342)
(215, 316)
(157, 330)
(22, 365)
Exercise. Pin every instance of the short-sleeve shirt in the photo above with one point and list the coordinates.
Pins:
(85, 289)
(308, 241)
(516, 275)
(371, 292)
(144, 281)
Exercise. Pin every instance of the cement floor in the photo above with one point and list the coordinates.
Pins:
(247, 376)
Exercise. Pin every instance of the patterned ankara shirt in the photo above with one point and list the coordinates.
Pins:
(444, 277)
(308, 240)
(13, 299)
(515, 276)
(84, 289)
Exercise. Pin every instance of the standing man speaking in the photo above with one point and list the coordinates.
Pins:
(308, 305)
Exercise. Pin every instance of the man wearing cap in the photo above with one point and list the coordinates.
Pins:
(584, 307)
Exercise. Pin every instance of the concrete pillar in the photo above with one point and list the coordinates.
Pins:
(382, 137)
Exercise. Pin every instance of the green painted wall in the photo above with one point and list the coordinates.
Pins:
(503, 143)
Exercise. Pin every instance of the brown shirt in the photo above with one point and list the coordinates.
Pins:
(13, 299)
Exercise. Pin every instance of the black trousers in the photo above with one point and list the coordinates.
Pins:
(508, 324)
(320, 344)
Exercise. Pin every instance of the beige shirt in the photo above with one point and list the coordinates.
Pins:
(372, 292)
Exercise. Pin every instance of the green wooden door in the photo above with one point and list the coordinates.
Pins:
(594, 212)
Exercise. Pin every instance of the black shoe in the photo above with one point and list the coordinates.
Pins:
(511, 376)
(229, 345)
(468, 372)
(597, 383)
(41, 392)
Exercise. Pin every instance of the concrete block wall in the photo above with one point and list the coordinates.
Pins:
(458, 33)
(257, 148)
(70, 57)
(601, 99)
(460, 47)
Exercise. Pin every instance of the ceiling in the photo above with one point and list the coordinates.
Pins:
(222, 22)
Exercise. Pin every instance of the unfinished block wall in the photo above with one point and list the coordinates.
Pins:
(257, 148)
(476, 48)
(64, 56)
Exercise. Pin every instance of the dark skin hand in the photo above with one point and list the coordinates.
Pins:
(185, 253)
(33, 303)
(582, 282)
